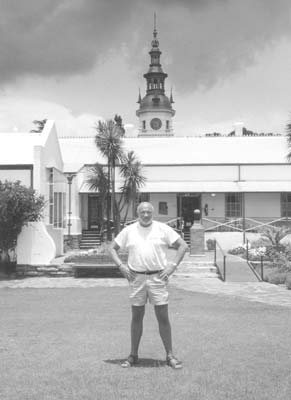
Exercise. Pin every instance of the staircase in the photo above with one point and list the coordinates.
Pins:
(90, 239)
(186, 234)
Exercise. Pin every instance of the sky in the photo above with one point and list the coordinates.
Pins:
(76, 61)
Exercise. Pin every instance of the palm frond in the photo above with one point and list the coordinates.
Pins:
(97, 179)
(108, 140)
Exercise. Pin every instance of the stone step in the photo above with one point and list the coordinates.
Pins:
(89, 235)
(197, 269)
(90, 240)
(88, 246)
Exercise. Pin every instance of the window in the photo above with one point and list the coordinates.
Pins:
(51, 195)
(143, 125)
(286, 204)
(163, 208)
(233, 205)
(167, 124)
(59, 207)
(57, 198)
(143, 197)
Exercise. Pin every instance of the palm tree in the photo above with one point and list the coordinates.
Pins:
(108, 141)
(275, 234)
(98, 181)
(131, 171)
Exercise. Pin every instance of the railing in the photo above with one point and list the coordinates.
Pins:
(222, 224)
(103, 230)
(254, 265)
(177, 224)
(220, 261)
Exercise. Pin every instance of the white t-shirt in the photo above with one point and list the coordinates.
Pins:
(146, 246)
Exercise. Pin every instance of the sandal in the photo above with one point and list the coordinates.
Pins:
(130, 361)
(173, 362)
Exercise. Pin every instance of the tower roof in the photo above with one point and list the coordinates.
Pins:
(155, 97)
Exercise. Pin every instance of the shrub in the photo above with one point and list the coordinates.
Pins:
(276, 277)
(261, 242)
(18, 206)
(275, 234)
(238, 251)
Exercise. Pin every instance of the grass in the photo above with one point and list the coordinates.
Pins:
(68, 343)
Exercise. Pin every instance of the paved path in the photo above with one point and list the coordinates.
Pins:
(237, 270)
(204, 280)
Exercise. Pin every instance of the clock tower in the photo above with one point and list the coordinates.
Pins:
(155, 108)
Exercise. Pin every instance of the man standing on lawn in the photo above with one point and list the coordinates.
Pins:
(147, 272)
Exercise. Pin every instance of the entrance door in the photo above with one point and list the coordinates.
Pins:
(94, 210)
(186, 206)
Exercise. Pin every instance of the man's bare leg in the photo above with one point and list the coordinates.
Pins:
(164, 326)
(166, 335)
(136, 327)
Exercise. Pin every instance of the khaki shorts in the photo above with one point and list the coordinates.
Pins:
(148, 287)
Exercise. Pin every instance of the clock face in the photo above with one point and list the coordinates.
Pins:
(156, 123)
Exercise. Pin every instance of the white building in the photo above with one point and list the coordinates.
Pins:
(35, 160)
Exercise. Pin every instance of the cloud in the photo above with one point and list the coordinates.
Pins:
(58, 37)
(203, 41)
(17, 114)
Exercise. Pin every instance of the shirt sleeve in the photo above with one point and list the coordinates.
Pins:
(121, 238)
(171, 235)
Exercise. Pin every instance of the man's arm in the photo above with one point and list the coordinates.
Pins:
(181, 246)
(125, 271)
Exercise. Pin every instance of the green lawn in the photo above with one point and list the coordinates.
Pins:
(68, 343)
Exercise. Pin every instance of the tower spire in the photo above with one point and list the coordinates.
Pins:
(155, 108)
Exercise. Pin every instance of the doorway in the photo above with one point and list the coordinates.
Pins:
(94, 212)
(187, 203)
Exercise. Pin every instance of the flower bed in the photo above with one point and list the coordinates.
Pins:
(276, 260)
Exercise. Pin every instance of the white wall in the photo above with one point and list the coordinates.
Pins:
(171, 199)
(216, 204)
(194, 173)
(262, 205)
(34, 245)
(265, 172)
(22, 175)
(148, 116)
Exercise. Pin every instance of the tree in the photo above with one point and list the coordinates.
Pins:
(39, 124)
(18, 206)
(131, 171)
(109, 142)
(274, 234)
(98, 181)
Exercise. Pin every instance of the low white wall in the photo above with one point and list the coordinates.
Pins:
(58, 238)
(34, 245)
(229, 240)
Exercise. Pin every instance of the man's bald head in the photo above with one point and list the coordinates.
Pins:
(145, 212)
